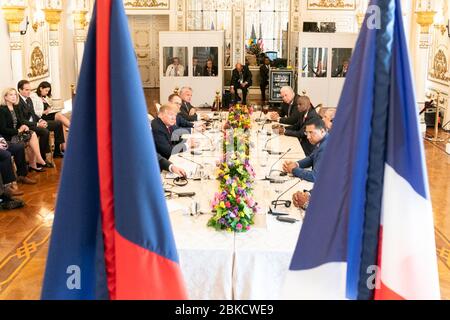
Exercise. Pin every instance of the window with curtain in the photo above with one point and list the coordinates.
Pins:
(212, 15)
(266, 26)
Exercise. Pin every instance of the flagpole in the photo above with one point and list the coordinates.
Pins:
(436, 122)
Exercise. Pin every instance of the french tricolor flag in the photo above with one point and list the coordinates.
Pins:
(111, 237)
(369, 232)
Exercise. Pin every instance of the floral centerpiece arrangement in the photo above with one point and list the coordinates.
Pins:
(234, 206)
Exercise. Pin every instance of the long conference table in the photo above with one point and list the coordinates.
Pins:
(220, 265)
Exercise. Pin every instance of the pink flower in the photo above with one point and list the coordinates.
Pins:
(247, 228)
(228, 204)
(250, 202)
(239, 226)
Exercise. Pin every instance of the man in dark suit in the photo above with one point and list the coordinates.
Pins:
(306, 113)
(341, 70)
(40, 126)
(318, 137)
(210, 70)
(264, 77)
(196, 69)
(288, 113)
(163, 127)
(241, 79)
(187, 111)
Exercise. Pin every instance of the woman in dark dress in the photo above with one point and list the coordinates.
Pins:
(12, 129)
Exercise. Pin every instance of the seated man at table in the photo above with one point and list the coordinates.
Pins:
(306, 113)
(181, 121)
(327, 115)
(289, 113)
(187, 111)
(163, 127)
(166, 165)
(317, 136)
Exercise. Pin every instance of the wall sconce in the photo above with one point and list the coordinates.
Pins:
(24, 31)
(38, 20)
(448, 28)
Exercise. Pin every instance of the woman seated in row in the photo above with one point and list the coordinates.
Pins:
(12, 129)
(42, 101)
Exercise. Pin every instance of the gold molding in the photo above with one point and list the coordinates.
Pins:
(332, 5)
(360, 19)
(79, 18)
(14, 16)
(53, 18)
(440, 67)
(37, 67)
(146, 4)
(425, 20)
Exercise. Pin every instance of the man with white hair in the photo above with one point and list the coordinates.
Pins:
(187, 111)
(289, 113)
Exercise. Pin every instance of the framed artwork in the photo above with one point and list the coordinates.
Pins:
(331, 4)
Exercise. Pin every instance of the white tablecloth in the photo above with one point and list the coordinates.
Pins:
(222, 265)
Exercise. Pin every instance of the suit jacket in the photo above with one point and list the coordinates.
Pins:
(289, 113)
(198, 71)
(163, 139)
(312, 161)
(214, 71)
(164, 164)
(7, 129)
(183, 123)
(263, 75)
(184, 112)
(246, 77)
(298, 130)
(26, 113)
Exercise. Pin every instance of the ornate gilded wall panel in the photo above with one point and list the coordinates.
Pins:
(147, 4)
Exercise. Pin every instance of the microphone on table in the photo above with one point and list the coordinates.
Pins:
(260, 115)
(272, 179)
(287, 203)
(197, 163)
(210, 142)
(271, 151)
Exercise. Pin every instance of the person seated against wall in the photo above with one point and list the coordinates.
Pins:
(241, 79)
(163, 127)
(317, 136)
(319, 72)
(42, 101)
(210, 70)
(306, 113)
(166, 165)
(7, 202)
(187, 110)
(341, 70)
(175, 69)
(288, 113)
(15, 132)
(29, 118)
(197, 70)
(182, 122)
